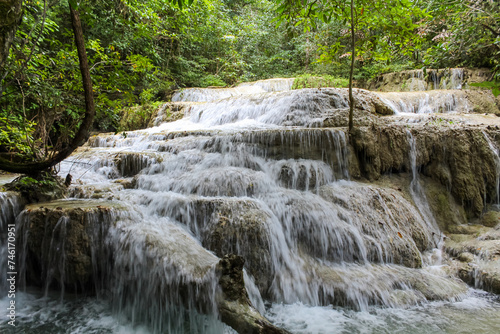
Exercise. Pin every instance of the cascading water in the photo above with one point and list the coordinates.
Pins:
(427, 102)
(10, 206)
(271, 85)
(454, 80)
(496, 157)
(416, 190)
(250, 175)
(213, 94)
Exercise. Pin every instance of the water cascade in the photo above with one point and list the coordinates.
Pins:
(10, 206)
(429, 79)
(256, 175)
(214, 93)
(496, 155)
(452, 101)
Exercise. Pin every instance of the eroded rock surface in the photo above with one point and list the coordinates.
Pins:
(477, 248)
(60, 239)
(448, 154)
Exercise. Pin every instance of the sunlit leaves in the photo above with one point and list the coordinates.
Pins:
(382, 28)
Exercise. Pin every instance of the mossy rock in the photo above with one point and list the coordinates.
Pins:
(61, 237)
(138, 117)
(309, 81)
(42, 187)
(491, 219)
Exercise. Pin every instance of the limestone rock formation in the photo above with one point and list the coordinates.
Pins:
(235, 307)
(478, 250)
(60, 237)
(445, 153)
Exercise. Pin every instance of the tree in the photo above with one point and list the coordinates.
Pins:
(11, 13)
(83, 130)
(389, 27)
(464, 33)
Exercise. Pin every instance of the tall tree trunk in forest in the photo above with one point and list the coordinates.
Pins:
(353, 56)
(10, 18)
(82, 133)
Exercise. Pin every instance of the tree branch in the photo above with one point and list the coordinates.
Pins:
(83, 130)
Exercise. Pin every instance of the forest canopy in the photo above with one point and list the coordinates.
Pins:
(140, 51)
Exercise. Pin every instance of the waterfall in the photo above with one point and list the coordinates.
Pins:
(496, 157)
(271, 85)
(247, 88)
(254, 175)
(416, 190)
(427, 102)
(10, 206)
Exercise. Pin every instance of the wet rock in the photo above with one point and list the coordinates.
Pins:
(41, 187)
(384, 215)
(465, 257)
(447, 212)
(97, 191)
(59, 237)
(481, 252)
(446, 154)
(241, 227)
(418, 80)
(355, 286)
(235, 308)
(131, 163)
(491, 219)
(169, 112)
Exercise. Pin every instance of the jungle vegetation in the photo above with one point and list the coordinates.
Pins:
(140, 51)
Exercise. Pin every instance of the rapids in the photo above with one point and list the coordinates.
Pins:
(251, 171)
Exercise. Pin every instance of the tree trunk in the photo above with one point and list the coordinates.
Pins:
(82, 134)
(353, 56)
(10, 18)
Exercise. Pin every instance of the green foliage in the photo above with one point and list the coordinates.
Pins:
(311, 81)
(137, 117)
(493, 85)
(462, 33)
(16, 135)
(140, 51)
(39, 187)
(385, 31)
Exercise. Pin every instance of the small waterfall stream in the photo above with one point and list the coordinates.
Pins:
(496, 156)
(416, 190)
(248, 173)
